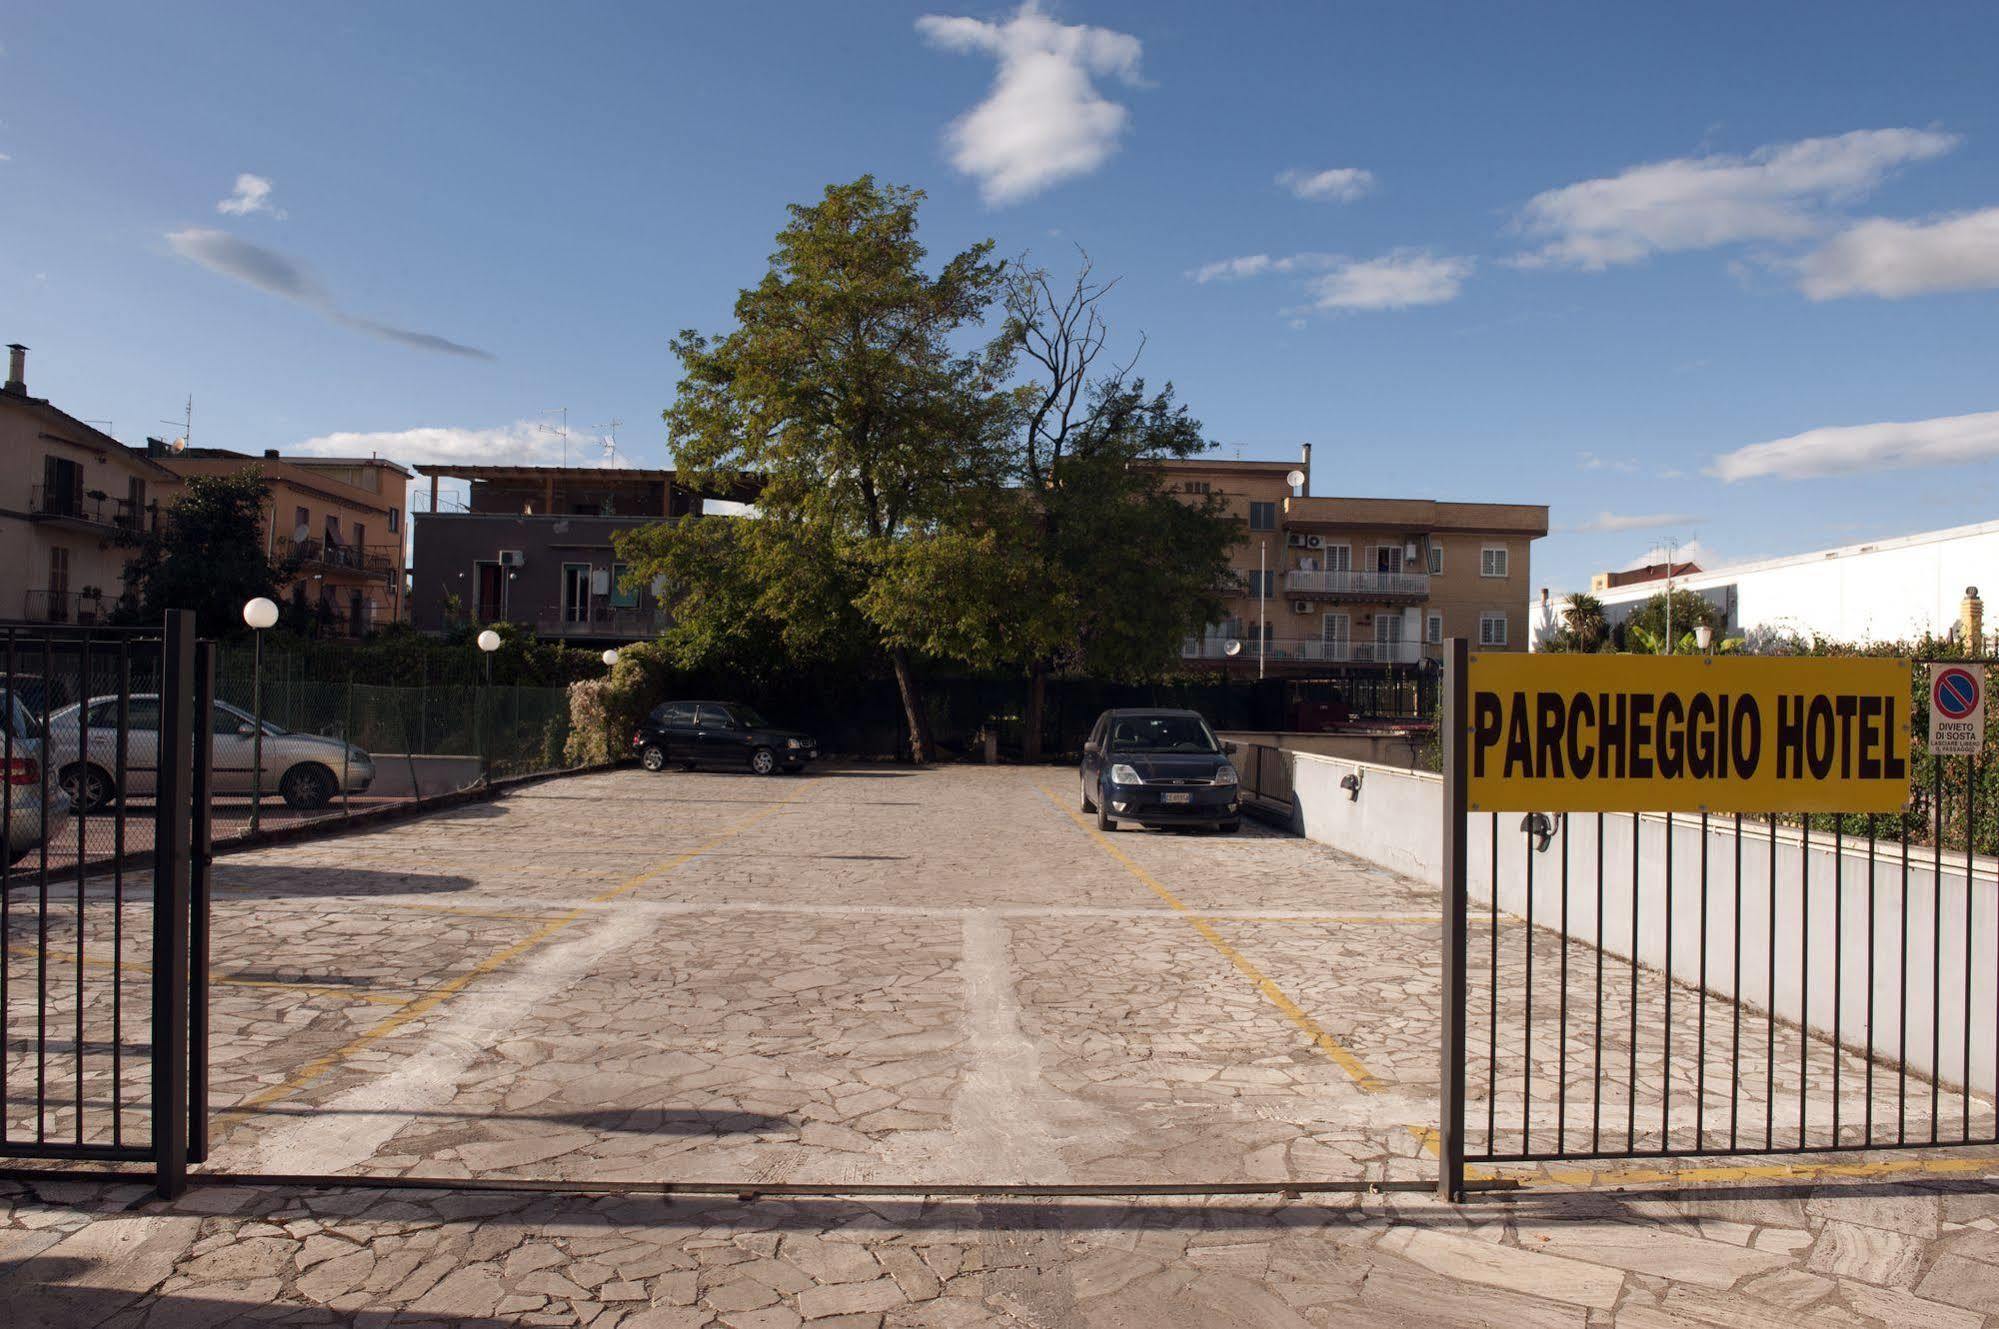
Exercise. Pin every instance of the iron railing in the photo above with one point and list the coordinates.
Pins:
(68, 607)
(1311, 650)
(368, 560)
(1358, 585)
(89, 506)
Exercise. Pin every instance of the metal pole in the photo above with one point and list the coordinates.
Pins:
(1262, 585)
(200, 859)
(171, 850)
(256, 737)
(1451, 1080)
(479, 721)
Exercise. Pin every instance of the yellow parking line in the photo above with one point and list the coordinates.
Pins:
(1363, 1078)
(430, 1001)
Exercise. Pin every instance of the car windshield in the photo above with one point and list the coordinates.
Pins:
(1162, 733)
(747, 717)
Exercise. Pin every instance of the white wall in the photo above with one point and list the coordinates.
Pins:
(1397, 822)
(1890, 590)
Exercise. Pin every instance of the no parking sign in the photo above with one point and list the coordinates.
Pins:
(1957, 710)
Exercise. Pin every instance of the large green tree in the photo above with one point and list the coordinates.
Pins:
(1119, 570)
(844, 397)
(208, 555)
(1647, 628)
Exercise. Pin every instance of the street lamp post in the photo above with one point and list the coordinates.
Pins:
(259, 614)
(489, 641)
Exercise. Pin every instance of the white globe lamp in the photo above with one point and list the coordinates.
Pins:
(261, 613)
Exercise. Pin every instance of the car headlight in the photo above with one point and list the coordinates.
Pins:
(1123, 774)
(1226, 775)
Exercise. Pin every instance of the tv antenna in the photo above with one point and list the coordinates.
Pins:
(563, 432)
(186, 425)
(610, 437)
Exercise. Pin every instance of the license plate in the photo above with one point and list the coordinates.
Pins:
(1177, 798)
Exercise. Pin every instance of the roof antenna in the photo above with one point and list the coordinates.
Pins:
(563, 431)
(611, 439)
(186, 426)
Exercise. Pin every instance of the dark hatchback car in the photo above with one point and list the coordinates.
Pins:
(1158, 768)
(719, 733)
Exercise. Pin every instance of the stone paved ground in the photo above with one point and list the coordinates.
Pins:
(871, 975)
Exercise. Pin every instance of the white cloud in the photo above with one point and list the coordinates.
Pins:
(1342, 184)
(1255, 265)
(1044, 120)
(253, 194)
(1632, 521)
(1777, 192)
(1589, 461)
(1398, 280)
(283, 276)
(522, 443)
(1894, 259)
(1847, 449)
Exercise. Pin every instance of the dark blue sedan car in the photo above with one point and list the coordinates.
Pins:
(1158, 768)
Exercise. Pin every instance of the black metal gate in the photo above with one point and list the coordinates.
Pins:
(1639, 986)
(103, 893)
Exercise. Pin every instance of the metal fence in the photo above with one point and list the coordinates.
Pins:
(102, 972)
(1653, 986)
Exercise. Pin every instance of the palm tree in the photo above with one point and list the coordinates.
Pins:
(1584, 620)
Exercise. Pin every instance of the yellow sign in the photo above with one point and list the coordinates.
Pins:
(1687, 733)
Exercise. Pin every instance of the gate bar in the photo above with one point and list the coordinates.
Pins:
(1451, 1082)
(201, 859)
(171, 847)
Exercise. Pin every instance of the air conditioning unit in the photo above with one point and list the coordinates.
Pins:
(1314, 541)
(1301, 606)
(1298, 538)
(511, 558)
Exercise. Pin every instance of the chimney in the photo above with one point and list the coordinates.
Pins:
(272, 453)
(1971, 619)
(1305, 465)
(156, 447)
(17, 370)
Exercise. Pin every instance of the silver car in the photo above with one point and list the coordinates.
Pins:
(306, 770)
(29, 818)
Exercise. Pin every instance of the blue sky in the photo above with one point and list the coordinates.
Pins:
(1587, 255)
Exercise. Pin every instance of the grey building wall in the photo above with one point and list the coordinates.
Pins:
(447, 548)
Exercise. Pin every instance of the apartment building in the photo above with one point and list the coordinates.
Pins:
(72, 500)
(532, 545)
(1358, 582)
(342, 520)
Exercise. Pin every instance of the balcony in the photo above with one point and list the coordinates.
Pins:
(1374, 587)
(92, 509)
(69, 607)
(363, 560)
(600, 620)
(1309, 650)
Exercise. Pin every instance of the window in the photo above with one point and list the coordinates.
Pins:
(140, 713)
(58, 570)
(395, 520)
(713, 717)
(1335, 631)
(62, 487)
(1436, 558)
(1264, 583)
(1492, 629)
(332, 529)
(1492, 561)
(1194, 487)
(1433, 628)
(1388, 558)
(679, 714)
(620, 597)
(1339, 558)
(1263, 516)
(301, 524)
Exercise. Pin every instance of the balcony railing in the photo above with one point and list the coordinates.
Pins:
(1309, 649)
(368, 560)
(69, 607)
(94, 509)
(1357, 584)
(600, 620)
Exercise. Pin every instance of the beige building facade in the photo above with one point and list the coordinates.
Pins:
(72, 501)
(344, 520)
(1321, 581)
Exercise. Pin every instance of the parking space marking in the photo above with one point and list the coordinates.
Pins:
(306, 986)
(418, 1007)
(1364, 1079)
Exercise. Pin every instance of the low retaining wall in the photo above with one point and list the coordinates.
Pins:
(1396, 822)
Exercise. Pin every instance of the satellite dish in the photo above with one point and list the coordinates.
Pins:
(1295, 479)
(1232, 647)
